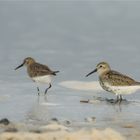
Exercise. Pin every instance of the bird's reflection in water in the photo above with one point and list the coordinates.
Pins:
(42, 98)
(38, 113)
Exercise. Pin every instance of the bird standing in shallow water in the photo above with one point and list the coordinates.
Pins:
(115, 82)
(39, 73)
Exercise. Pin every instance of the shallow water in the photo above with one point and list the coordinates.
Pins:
(71, 37)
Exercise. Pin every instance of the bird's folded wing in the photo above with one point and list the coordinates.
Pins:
(40, 70)
(116, 79)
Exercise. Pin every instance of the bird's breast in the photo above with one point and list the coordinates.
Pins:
(46, 79)
(105, 85)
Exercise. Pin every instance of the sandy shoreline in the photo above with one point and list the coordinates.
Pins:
(54, 131)
(93, 134)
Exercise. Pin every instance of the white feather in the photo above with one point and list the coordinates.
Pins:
(47, 79)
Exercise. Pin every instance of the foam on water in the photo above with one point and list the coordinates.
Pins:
(80, 85)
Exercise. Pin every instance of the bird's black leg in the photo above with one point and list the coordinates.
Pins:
(38, 91)
(48, 88)
(117, 98)
(120, 99)
(116, 101)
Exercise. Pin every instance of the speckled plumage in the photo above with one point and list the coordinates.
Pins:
(115, 78)
(37, 69)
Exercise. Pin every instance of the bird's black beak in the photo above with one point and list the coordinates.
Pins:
(19, 66)
(91, 72)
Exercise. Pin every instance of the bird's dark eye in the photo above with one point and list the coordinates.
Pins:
(101, 66)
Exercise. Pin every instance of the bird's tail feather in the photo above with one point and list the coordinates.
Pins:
(54, 72)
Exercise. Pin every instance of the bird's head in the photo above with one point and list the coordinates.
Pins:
(27, 61)
(101, 68)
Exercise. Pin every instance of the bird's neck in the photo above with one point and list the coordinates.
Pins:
(101, 74)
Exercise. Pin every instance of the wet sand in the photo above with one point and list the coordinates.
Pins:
(54, 131)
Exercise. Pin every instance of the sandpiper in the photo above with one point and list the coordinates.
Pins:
(115, 82)
(39, 73)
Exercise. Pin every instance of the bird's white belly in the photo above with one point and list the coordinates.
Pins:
(124, 89)
(43, 79)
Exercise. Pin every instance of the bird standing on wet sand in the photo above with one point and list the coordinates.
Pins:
(39, 73)
(115, 82)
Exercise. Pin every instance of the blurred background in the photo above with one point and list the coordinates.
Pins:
(71, 36)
